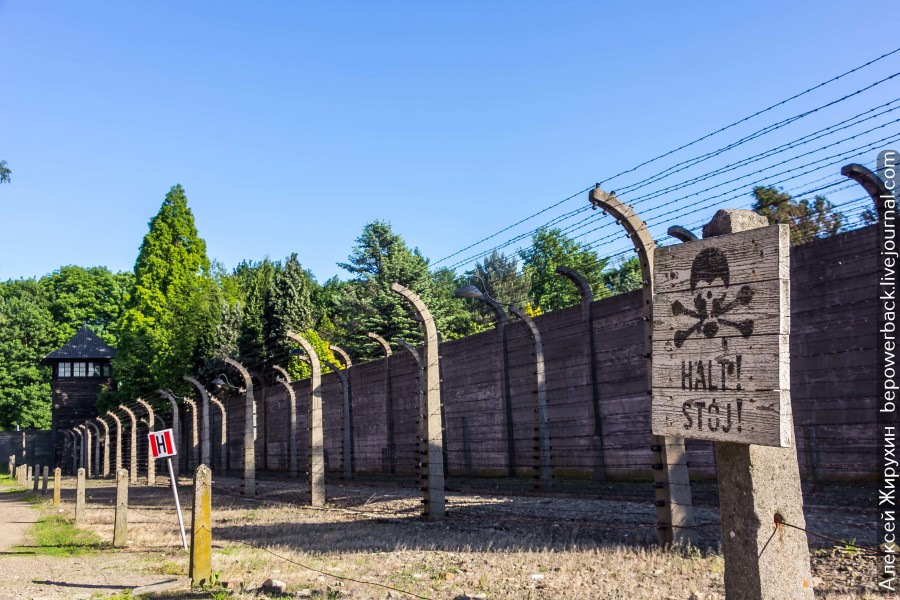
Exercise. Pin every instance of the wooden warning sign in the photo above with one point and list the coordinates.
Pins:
(721, 323)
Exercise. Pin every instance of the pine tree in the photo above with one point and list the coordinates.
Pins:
(379, 258)
(808, 220)
(170, 312)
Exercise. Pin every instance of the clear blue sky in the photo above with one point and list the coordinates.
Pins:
(291, 125)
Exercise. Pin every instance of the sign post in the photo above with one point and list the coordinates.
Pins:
(162, 445)
(721, 372)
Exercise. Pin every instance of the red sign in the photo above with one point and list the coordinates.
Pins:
(162, 443)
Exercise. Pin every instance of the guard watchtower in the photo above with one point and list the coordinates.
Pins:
(81, 370)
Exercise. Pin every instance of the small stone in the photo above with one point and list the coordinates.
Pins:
(461, 597)
(274, 585)
(537, 576)
(305, 593)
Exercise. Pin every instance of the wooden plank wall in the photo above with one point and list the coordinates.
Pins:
(833, 382)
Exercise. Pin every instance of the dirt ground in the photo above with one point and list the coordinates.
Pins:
(370, 543)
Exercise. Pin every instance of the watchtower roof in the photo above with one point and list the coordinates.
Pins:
(84, 345)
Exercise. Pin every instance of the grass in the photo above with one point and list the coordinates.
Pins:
(57, 536)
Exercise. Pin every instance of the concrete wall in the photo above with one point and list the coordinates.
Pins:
(833, 379)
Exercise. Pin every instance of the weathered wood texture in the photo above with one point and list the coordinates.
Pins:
(832, 382)
(721, 364)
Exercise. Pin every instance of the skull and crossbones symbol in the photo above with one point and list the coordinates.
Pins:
(709, 266)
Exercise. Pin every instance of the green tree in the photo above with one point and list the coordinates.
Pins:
(170, 311)
(4, 172)
(27, 334)
(808, 220)
(504, 282)
(626, 277)
(92, 296)
(551, 248)
(255, 280)
(379, 258)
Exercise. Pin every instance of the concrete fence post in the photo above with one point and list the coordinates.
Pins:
(223, 434)
(79, 496)
(132, 458)
(88, 450)
(37, 479)
(46, 475)
(195, 435)
(115, 417)
(96, 465)
(120, 530)
(106, 445)
(201, 527)
(204, 418)
(347, 428)
(176, 429)
(434, 499)
(11, 465)
(587, 312)
(249, 429)
(545, 469)
(29, 475)
(293, 453)
(391, 463)
(57, 478)
(674, 504)
(151, 425)
(316, 435)
(759, 489)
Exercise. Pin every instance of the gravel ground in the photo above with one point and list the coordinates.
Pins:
(580, 542)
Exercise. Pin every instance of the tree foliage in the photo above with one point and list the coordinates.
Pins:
(551, 248)
(808, 220)
(5, 173)
(172, 309)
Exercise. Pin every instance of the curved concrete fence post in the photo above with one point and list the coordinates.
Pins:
(132, 447)
(293, 453)
(545, 470)
(194, 462)
(204, 418)
(118, 422)
(176, 429)
(421, 412)
(106, 444)
(434, 484)
(249, 429)
(316, 437)
(151, 426)
(587, 313)
(93, 448)
(76, 449)
(347, 430)
(674, 505)
(872, 183)
(223, 434)
(390, 462)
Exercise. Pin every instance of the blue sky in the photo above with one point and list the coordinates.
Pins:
(291, 125)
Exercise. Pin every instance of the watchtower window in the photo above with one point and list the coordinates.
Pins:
(106, 370)
(64, 370)
(93, 369)
(80, 369)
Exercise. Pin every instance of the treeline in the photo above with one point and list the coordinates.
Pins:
(180, 313)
